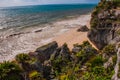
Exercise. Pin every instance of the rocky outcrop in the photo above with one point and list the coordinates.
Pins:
(43, 53)
(76, 49)
(62, 52)
(83, 29)
(105, 26)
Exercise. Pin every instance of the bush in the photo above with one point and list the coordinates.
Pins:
(22, 58)
(85, 54)
(85, 43)
(10, 71)
(97, 61)
(109, 50)
(34, 75)
(98, 70)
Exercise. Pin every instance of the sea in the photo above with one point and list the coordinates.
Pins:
(33, 15)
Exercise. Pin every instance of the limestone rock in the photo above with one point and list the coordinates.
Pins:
(44, 52)
(105, 28)
(83, 29)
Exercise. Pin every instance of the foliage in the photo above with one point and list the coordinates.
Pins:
(22, 58)
(86, 53)
(34, 75)
(67, 77)
(85, 43)
(97, 61)
(10, 71)
(109, 50)
(114, 59)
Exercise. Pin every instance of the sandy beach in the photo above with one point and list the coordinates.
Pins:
(64, 31)
(71, 37)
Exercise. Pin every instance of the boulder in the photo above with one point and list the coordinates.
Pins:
(83, 29)
(44, 52)
(38, 31)
(36, 66)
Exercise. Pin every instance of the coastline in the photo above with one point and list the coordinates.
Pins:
(31, 38)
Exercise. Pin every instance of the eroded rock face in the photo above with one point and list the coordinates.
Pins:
(105, 28)
(43, 53)
(62, 52)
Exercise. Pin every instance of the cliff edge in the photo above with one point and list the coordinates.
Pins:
(105, 23)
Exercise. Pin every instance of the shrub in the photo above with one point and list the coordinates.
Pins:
(10, 71)
(109, 50)
(94, 22)
(86, 53)
(98, 70)
(97, 61)
(22, 58)
(85, 43)
(34, 75)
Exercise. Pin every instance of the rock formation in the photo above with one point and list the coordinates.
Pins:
(105, 24)
(83, 29)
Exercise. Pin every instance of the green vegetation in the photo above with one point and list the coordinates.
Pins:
(114, 59)
(109, 50)
(10, 71)
(34, 75)
(22, 58)
(97, 61)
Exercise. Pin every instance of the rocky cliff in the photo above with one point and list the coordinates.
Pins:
(105, 23)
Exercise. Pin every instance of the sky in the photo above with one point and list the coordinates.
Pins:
(4, 3)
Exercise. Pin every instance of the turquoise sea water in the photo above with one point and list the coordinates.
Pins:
(25, 16)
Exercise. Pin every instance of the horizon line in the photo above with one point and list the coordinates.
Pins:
(47, 4)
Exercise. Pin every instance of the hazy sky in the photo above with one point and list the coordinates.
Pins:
(4, 3)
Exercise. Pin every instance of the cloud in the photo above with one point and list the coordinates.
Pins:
(34, 2)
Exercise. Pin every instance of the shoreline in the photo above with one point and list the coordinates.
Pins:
(30, 40)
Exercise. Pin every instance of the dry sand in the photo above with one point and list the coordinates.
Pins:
(71, 37)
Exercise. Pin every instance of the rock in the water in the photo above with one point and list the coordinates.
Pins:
(38, 31)
(83, 29)
(44, 52)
